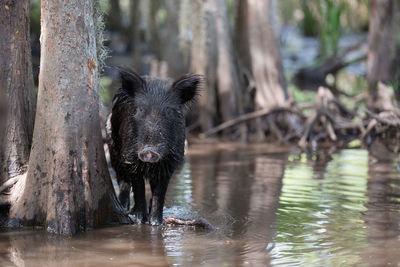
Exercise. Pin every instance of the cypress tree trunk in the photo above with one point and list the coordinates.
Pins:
(265, 57)
(229, 82)
(67, 187)
(146, 34)
(171, 53)
(383, 29)
(197, 27)
(212, 54)
(257, 43)
(17, 95)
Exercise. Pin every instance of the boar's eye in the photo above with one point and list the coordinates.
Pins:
(169, 112)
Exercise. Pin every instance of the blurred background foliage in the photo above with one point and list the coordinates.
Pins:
(316, 29)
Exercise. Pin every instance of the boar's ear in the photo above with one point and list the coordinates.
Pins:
(130, 81)
(188, 86)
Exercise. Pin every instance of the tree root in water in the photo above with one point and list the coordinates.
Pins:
(330, 120)
(197, 223)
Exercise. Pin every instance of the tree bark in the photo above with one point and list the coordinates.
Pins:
(229, 82)
(241, 36)
(381, 221)
(257, 44)
(213, 55)
(383, 29)
(197, 27)
(146, 34)
(67, 187)
(265, 55)
(171, 52)
(16, 88)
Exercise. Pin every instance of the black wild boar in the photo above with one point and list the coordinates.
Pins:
(147, 138)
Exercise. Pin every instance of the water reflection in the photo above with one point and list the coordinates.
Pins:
(238, 190)
(382, 219)
(271, 207)
(319, 216)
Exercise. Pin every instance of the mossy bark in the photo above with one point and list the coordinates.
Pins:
(67, 188)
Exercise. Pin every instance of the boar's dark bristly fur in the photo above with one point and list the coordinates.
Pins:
(148, 135)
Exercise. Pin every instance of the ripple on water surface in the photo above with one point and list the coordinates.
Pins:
(320, 217)
(271, 207)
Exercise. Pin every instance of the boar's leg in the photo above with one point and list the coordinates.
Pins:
(124, 191)
(158, 190)
(139, 195)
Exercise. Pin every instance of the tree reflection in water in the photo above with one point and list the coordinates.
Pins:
(382, 217)
(271, 207)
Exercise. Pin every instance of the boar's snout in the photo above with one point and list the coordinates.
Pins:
(148, 154)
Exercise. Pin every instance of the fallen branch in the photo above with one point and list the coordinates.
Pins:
(342, 108)
(305, 106)
(381, 119)
(330, 120)
(309, 126)
(330, 114)
(200, 223)
(274, 129)
(331, 131)
(370, 126)
(250, 116)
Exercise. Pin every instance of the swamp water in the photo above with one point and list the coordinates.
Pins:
(272, 206)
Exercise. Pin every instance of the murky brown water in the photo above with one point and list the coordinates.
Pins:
(272, 207)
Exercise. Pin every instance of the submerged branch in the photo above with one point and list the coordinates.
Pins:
(250, 116)
(330, 120)
(199, 223)
(392, 119)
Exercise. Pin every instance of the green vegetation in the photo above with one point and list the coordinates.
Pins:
(105, 89)
(330, 31)
(35, 19)
(301, 96)
(309, 23)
